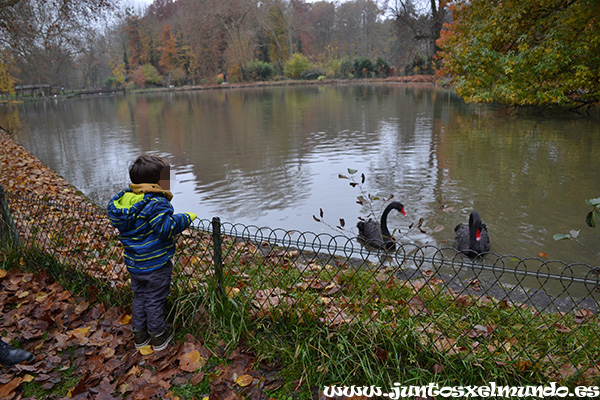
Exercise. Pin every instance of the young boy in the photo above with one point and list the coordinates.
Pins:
(147, 226)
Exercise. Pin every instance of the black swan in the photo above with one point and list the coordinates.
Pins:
(372, 234)
(472, 239)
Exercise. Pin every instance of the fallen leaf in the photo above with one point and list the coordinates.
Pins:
(81, 307)
(562, 328)
(79, 333)
(244, 380)
(124, 319)
(146, 350)
(463, 300)
(197, 378)
(125, 388)
(192, 361)
(583, 315)
(108, 352)
(480, 331)
(41, 296)
(79, 387)
(381, 354)
(6, 391)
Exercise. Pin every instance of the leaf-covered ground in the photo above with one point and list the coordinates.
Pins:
(85, 350)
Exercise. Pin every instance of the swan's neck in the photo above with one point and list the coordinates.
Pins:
(384, 228)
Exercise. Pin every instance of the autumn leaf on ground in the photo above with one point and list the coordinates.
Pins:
(445, 345)
(463, 300)
(583, 315)
(6, 391)
(416, 306)
(80, 335)
(480, 331)
(81, 307)
(381, 354)
(124, 319)
(41, 296)
(192, 361)
(244, 380)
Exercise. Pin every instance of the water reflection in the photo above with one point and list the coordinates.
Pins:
(271, 157)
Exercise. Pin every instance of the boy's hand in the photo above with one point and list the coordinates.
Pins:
(192, 215)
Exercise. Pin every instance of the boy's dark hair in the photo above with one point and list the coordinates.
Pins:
(147, 169)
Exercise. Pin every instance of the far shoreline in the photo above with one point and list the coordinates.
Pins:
(419, 79)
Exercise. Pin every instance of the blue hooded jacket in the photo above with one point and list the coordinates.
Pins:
(147, 228)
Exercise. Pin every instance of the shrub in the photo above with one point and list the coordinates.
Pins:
(312, 73)
(345, 68)
(382, 68)
(420, 65)
(129, 86)
(151, 74)
(296, 66)
(178, 76)
(340, 68)
(259, 70)
(111, 83)
(234, 73)
(138, 78)
(145, 75)
(362, 67)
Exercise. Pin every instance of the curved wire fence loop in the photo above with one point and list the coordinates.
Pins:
(442, 300)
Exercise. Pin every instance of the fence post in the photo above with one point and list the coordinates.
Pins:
(8, 230)
(218, 256)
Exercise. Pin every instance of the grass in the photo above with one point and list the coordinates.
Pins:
(68, 380)
(393, 328)
(326, 321)
(189, 391)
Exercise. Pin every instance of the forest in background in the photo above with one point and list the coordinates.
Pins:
(516, 52)
(103, 43)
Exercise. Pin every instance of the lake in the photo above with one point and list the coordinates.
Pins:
(272, 156)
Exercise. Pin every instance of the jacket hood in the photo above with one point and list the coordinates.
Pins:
(124, 208)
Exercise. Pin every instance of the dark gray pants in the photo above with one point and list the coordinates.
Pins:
(149, 295)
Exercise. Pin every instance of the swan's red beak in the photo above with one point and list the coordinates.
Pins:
(403, 212)
(478, 235)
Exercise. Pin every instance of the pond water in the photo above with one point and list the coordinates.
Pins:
(272, 157)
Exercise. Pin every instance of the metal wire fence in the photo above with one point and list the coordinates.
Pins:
(530, 314)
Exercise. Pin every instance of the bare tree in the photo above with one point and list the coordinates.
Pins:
(322, 28)
(237, 17)
(355, 26)
(202, 38)
(45, 37)
(424, 18)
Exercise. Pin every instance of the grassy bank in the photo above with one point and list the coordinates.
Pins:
(390, 331)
